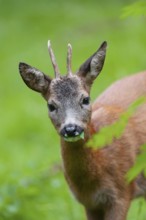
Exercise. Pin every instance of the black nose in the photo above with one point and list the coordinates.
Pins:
(71, 130)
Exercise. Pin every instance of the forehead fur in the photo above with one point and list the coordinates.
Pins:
(65, 87)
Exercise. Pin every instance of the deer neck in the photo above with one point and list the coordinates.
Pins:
(79, 160)
(74, 150)
(75, 160)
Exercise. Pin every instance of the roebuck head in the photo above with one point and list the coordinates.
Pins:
(67, 96)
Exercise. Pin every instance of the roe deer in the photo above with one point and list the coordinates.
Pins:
(96, 177)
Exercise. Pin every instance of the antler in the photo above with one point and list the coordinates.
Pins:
(69, 56)
(53, 60)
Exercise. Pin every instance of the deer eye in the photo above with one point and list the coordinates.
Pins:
(51, 107)
(86, 101)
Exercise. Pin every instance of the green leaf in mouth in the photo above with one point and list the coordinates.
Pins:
(74, 139)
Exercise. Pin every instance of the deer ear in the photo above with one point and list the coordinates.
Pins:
(91, 68)
(33, 78)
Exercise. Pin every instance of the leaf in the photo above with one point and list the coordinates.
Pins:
(139, 166)
(136, 9)
(137, 210)
(114, 131)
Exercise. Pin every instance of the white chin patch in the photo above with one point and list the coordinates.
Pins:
(74, 139)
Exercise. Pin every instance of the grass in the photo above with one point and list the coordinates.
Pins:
(31, 188)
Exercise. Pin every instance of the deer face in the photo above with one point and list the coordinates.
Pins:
(67, 96)
(69, 106)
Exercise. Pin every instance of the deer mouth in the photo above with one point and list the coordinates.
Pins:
(75, 138)
(72, 133)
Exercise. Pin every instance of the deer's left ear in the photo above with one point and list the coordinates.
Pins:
(34, 79)
(91, 68)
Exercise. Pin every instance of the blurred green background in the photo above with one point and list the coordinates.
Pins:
(32, 185)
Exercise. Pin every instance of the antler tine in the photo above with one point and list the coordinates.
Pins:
(69, 56)
(53, 60)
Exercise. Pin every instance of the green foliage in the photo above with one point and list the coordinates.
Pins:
(114, 131)
(135, 9)
(139, 166)
(35, 196)
(138, 208)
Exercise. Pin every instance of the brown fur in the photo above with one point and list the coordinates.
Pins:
(96, 177)
(103, 171)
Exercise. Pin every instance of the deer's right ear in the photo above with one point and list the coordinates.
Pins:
(33, 78)
(91, 68)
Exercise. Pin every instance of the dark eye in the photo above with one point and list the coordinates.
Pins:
(51, 107)
(86, 101)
